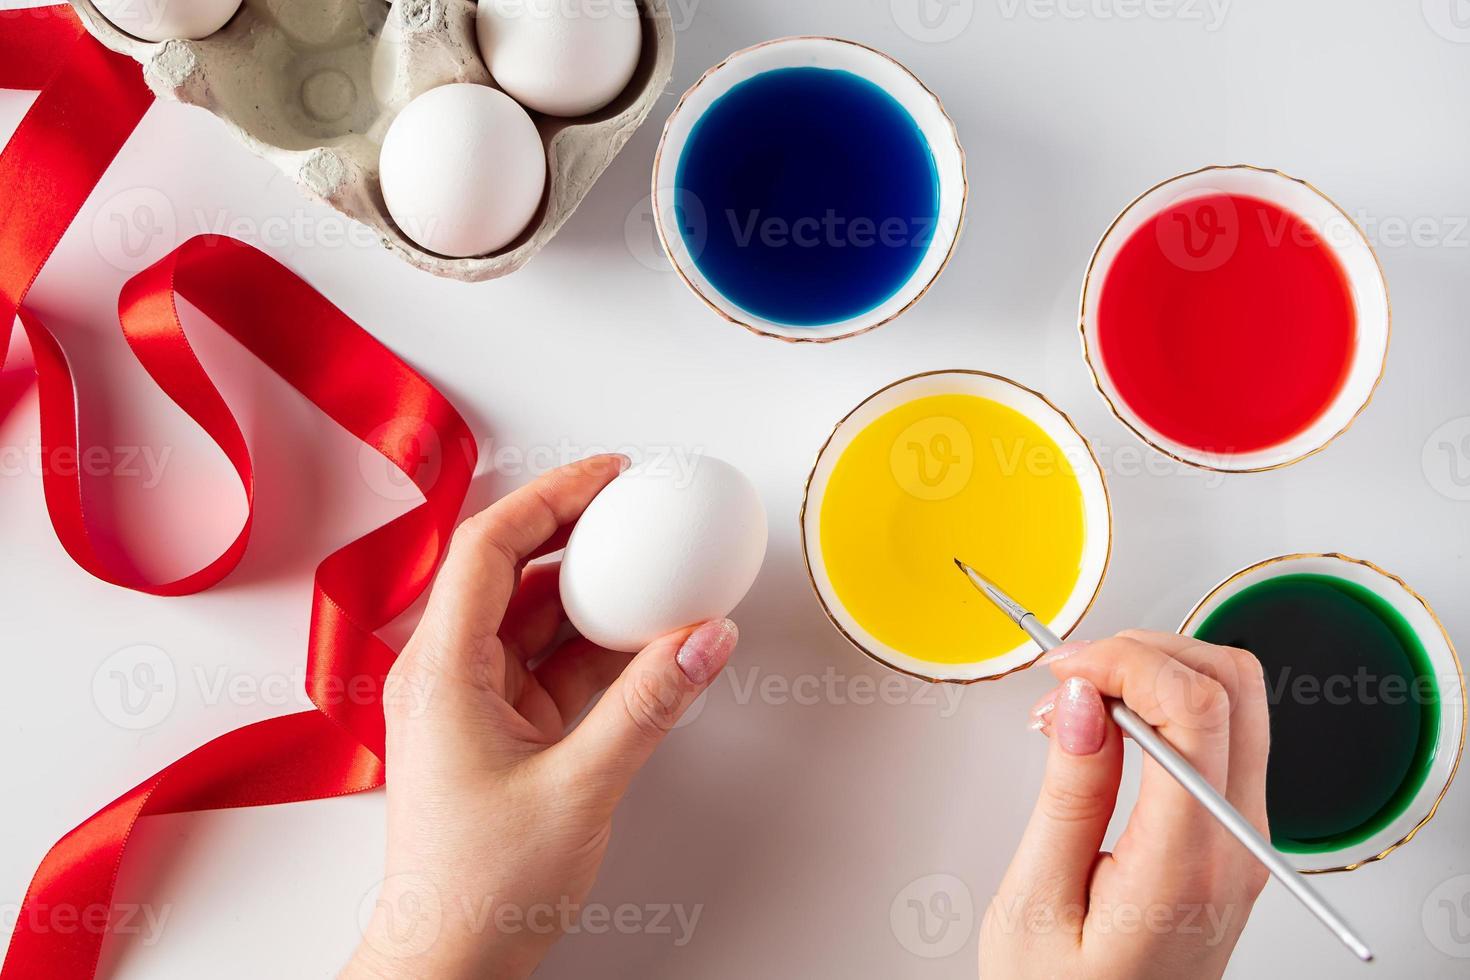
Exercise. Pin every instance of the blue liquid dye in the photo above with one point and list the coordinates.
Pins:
(807, 196)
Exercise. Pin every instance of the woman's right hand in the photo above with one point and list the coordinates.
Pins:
(1171, 900)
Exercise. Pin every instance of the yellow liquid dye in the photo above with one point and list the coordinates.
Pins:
(941, 477)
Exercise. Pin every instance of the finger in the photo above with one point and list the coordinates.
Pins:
(1053, 866)
(578, 672)
(1189, 709)
(622, 730)
(1240, 673)
(532, 702)
(474, 587)
(535, 613)
(553, 544)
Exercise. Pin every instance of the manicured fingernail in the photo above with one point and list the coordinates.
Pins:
(1079, 720)
(623, 461)
(1063, 652)
(1047, 702)
(704, 654)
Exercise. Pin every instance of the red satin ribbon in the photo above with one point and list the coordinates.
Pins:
(90, 100)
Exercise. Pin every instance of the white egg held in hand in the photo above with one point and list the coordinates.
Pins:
(163, 20)
(560, 57)
(462, 170)
(660, 549)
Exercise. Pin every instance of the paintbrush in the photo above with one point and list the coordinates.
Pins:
(1177, 766)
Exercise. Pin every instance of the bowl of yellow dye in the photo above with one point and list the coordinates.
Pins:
(944, 465)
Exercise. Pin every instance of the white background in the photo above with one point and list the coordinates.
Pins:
(795, 827)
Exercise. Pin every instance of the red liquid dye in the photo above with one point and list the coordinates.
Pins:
(1226, 324)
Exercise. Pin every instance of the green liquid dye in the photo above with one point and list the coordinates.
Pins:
(1354, 706)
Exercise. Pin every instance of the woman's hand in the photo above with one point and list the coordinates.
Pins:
(1171, 900)
(498, 818)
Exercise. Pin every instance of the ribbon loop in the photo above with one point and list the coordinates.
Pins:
(91, 100)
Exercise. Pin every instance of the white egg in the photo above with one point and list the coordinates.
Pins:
(560, 57)
(660, 549)
(162, 20)
(463, 170)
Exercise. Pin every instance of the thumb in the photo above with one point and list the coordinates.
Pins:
(644, 704)
(1053, 865)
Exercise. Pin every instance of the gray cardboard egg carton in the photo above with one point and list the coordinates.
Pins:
(295, 81)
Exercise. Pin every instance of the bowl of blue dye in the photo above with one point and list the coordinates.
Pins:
(809, 188)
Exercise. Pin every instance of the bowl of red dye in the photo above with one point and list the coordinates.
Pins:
(1235, 318)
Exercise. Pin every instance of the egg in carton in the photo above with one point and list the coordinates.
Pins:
(313, 86)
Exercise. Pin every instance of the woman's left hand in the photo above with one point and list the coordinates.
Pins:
(498, 818)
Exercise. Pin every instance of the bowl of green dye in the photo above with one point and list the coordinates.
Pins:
(1367, 701)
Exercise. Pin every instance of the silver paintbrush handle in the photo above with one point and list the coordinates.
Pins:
(1231, 819)
(1159, 749)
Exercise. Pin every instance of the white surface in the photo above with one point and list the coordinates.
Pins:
(805, 801)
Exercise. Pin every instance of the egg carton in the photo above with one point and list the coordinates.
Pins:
(312, 86)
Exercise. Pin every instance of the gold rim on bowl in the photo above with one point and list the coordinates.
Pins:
(807, 503)
(1124, 417)
(1333, 556)
(658, 192)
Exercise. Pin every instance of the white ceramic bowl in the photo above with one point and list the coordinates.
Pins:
(1365, 281)
(1449, 680)
(820, 52)
(1097, 511)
